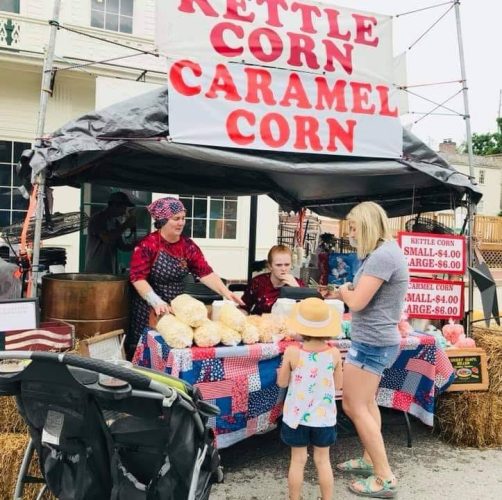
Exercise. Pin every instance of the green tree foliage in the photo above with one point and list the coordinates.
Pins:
(489, 143)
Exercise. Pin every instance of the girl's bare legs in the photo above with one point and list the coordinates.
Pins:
(324, 472)
(295, 475)
(359, 389)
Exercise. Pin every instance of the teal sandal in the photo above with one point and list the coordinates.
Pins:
(355, 466)
(387, 489)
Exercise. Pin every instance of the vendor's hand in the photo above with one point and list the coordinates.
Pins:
(289, 279)
(161, 309)
(234, 298)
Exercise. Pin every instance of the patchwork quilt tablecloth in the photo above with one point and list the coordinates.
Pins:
(241, 380)
(421, 372)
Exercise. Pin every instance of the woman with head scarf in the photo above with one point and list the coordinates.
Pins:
(160, 263)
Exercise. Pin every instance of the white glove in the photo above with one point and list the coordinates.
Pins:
(153, 299)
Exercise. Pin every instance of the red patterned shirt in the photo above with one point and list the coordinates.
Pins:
(148, 248)
(261, 295)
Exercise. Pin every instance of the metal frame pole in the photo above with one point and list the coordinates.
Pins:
(471, 207)
(253, 221)
(45, 92)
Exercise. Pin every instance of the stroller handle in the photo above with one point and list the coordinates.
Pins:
(136, 380)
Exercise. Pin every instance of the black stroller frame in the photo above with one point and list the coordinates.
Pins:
(146, 438)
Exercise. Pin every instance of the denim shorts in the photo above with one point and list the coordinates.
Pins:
(304, 436)
(374, 359)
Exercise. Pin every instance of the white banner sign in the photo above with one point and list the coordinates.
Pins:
(434, 253)
(280, 75)
(435, 299)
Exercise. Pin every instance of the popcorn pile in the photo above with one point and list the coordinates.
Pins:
(190, 325)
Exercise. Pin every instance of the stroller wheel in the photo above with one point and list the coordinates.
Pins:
(219, 475)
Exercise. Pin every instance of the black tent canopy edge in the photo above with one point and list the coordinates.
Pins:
(127, 145)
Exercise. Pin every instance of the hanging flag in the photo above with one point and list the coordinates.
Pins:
(52, 336)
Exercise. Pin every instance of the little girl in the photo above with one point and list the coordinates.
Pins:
(311, 372)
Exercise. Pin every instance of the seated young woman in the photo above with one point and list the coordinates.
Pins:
(263, 291)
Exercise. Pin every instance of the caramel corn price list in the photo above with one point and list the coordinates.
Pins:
(435, 299)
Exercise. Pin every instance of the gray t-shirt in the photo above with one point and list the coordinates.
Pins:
(377, 323)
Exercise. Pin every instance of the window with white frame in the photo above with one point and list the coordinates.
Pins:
(213, 217)
(13, 206)
(481, 177)
(9, 6)
(113, 15)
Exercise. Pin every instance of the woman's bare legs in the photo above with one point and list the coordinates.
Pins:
(375, 413)
(359, 389)
(295, 475)
(324, 472)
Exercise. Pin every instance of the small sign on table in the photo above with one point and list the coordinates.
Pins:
(18, 314)
(471, 371)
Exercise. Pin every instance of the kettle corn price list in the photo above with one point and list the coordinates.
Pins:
(434, 253)
(434, 299)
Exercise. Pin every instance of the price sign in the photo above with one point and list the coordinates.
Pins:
(471, 369)
(434, 299)
(433, 253)
(18, 314)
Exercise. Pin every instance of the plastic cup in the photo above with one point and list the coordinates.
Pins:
(336, 305)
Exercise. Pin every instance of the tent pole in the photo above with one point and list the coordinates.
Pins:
(39, 180)
(471, 208)
(253, 219)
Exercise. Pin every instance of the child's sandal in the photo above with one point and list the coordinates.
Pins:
(386, 490)
(355, 466)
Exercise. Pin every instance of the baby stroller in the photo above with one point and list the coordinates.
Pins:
(144, 438)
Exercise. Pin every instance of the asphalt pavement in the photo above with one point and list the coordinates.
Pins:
(256, 469)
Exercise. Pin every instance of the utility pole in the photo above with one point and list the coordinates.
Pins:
(39, 180)
(471, 208)
(500, 102)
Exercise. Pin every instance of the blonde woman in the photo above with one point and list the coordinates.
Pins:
(376, 300)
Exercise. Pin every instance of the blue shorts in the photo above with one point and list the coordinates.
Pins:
(303, 436)
(374, 359)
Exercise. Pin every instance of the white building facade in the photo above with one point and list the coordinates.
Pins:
(219, 225)
(487, 173)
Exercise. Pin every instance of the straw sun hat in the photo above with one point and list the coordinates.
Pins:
(314, 318)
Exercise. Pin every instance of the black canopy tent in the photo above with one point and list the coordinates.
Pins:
(127, 145)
